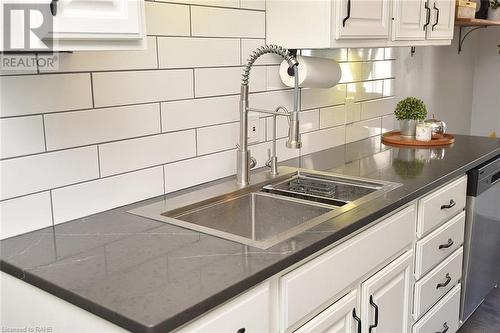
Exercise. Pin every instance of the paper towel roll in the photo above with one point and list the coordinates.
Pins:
(314, 72)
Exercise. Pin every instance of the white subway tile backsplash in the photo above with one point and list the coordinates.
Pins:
(373, 53)
(226, 81)
(199, 112)
(388, 123)
(128, 155)
(223, 22)
(21, 136)
(106, 60)
(377, 108)
(389, 87)
(332, 116)
(216, 138)
(316, 98)
(200, 170)
(30, 94)
(92, 197)
(367, 90)
(178, 52)
(25, 175)
(363, 129)
(25, 214)
(167, 19)
(78, 128)
(308, 120)
(270, 100)
(254, 4)
(335, 54)
(120, 88)
(322, 139)
(219, 3)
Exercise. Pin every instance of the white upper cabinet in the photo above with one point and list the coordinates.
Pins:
(410, 18)
(300, 24)
(74, 25)
(98, 24)
(442, 19)
(364, 19)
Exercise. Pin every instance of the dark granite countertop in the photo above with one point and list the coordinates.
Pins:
(148, 276)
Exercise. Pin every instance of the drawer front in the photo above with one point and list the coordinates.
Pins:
(439, 244)
(310, 286)
(434, 208)
(250, 311)
(444, 314)
(336, 318)
(437, 283)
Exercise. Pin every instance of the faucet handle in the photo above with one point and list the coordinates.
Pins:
(253, 162)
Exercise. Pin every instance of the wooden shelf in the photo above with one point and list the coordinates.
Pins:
(475, 22)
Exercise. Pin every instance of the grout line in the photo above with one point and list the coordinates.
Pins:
(161, 120)
(51, 207)
(98, 160)
(190, 22)
(196, 141)
(92, 89)
(164, 180)
(157, 54)
(44, 132)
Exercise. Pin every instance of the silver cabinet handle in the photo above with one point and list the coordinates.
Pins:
(445, 328)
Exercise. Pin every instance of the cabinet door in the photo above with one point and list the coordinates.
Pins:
(386, 295)
(365, 19)
(409, 18)
(442, 19)
(337, 318)
(98, 19)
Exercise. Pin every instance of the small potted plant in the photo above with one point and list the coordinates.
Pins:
(494, 11)
(409, 112)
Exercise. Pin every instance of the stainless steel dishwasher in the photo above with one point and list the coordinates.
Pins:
(481, 270)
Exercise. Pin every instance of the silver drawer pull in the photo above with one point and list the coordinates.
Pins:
(445, 328)
(447, 245)
(444, 284)
(450, 205)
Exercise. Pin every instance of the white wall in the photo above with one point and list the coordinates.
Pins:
(443, 79)
(485, 118)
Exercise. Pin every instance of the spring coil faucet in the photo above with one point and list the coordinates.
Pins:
(245, 161)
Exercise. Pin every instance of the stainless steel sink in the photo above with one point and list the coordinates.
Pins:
(269, 211)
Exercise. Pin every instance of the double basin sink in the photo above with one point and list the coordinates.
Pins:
(269, 211)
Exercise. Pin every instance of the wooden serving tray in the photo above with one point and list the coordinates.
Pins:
(395, 138)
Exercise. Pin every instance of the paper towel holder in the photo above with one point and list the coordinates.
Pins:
(293, 53)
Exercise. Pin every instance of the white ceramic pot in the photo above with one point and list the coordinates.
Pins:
(494, 14)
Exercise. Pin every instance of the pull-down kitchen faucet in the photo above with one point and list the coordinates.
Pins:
(244, 159)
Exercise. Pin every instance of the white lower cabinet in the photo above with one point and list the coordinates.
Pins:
(337, 318)
(386, 296)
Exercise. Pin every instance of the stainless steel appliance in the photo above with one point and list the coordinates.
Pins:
(482, 236)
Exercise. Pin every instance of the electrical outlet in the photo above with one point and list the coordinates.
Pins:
(253, 127)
